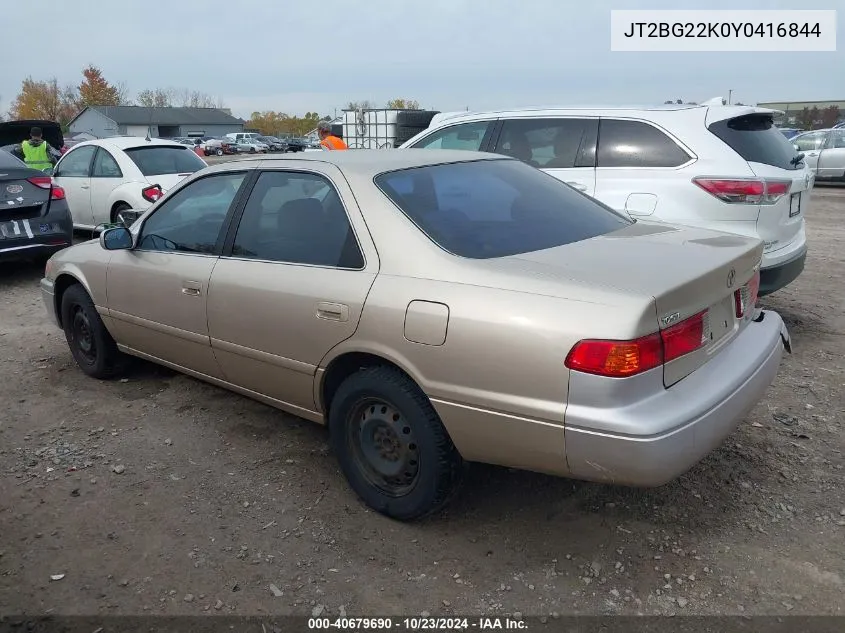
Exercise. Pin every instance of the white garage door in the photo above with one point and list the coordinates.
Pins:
(136, 130)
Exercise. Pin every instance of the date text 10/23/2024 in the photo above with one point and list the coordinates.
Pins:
(417, 624)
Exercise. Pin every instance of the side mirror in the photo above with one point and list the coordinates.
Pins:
(116, 239)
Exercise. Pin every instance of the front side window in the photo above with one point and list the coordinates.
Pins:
(549, 143)
(191, 220)
(466, 136)
(811, 141)
(297, 218)
(160, 160)
(625, 143)
(76, 163)
(105, 166)
(496, 208)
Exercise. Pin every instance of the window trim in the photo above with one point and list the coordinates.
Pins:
(693, 156)
(235, 222)
(224, 228)
(76, 149)
(491, 131)
(110, 155)
(580, 154)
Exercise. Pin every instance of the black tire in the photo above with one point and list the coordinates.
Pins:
(119, 208)
(219, 152)
(91, 345)
(415, 118)
(383, 405)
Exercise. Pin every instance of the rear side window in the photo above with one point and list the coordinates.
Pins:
(637, 144)
(495, 208)
(165, 159)
(757, 140)
(549, 143)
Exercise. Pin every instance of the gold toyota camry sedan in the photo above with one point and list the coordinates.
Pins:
(434, 308)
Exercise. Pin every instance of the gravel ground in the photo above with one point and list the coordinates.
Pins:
(159, 494)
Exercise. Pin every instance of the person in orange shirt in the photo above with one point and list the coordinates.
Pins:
(327, 139)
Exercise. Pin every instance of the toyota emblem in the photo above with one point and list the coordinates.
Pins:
(731, 277)
(14, 188)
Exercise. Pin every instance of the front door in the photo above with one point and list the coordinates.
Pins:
(157, 292)
(563, 147)
(811, 145)
(292, 285)
(73, 174)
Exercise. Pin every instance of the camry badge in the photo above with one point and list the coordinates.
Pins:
(731, 277)
(670, 318)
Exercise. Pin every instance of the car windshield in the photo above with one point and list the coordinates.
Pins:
(158, 160)
(496, 208)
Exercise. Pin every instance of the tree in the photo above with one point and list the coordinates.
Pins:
(158, 98)
(366, 104)
(830, 116)
(44, 100)
(403, 104)
(96, 91)
(808, 117)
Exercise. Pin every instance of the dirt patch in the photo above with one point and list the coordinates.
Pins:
(160, 494)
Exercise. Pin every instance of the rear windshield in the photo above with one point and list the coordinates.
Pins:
(8, 161)
(496, 208)
(757, 140)
(160, 160)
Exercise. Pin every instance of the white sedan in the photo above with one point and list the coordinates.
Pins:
(114, 179)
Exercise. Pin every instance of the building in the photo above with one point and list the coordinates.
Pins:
(104, 121)
(792, 109)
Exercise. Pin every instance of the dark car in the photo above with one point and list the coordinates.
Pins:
(35, 220)
(275, 145)
(13, 133)
(296, 145)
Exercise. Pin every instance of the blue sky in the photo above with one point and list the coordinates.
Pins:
(294, 56)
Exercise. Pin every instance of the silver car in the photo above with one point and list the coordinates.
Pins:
(824, 152)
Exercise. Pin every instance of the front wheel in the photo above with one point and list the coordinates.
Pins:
(391, 444)
(91, 345)
(219, 152)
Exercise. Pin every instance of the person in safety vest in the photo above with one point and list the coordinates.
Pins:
(327, 139)
(36, 152)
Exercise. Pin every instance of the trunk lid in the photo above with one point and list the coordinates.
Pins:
(685, 270)
(19, 198)
(15, 132)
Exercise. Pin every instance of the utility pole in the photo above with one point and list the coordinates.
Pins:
(730, 92)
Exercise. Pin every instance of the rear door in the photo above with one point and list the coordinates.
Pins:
(73, 174)
(832, 158)
(564, 147)
(774, 159)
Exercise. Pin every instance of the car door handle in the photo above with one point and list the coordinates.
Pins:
(812, 154)
(84, 187)
(191, 288)
(576, 185)
(332, 311)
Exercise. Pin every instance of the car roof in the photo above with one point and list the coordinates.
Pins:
(368, 162)
(127, 142)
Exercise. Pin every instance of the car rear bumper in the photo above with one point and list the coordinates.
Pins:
(775, 277)
(659, 437)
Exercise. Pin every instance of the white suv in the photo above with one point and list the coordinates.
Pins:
(720, 167)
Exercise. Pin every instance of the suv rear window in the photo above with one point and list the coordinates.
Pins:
(757, 140)
(165, 159)
(495, 208)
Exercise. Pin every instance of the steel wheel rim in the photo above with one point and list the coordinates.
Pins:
(384, 447)
(83, 336)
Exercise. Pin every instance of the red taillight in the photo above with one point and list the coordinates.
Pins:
(746, 297)
(620, 359)
(684, 337)
(739, 191)
(46, 182)
(616, 359)
(152, 193)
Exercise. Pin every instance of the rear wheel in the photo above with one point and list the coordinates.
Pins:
(391, 444)
(91, 345)
(117, 213)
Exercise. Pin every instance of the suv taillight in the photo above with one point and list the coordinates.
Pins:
(746, 297)
(745, 191)
(620, 359)
(152, 193)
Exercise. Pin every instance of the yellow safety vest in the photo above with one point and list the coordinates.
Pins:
(36, 157)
